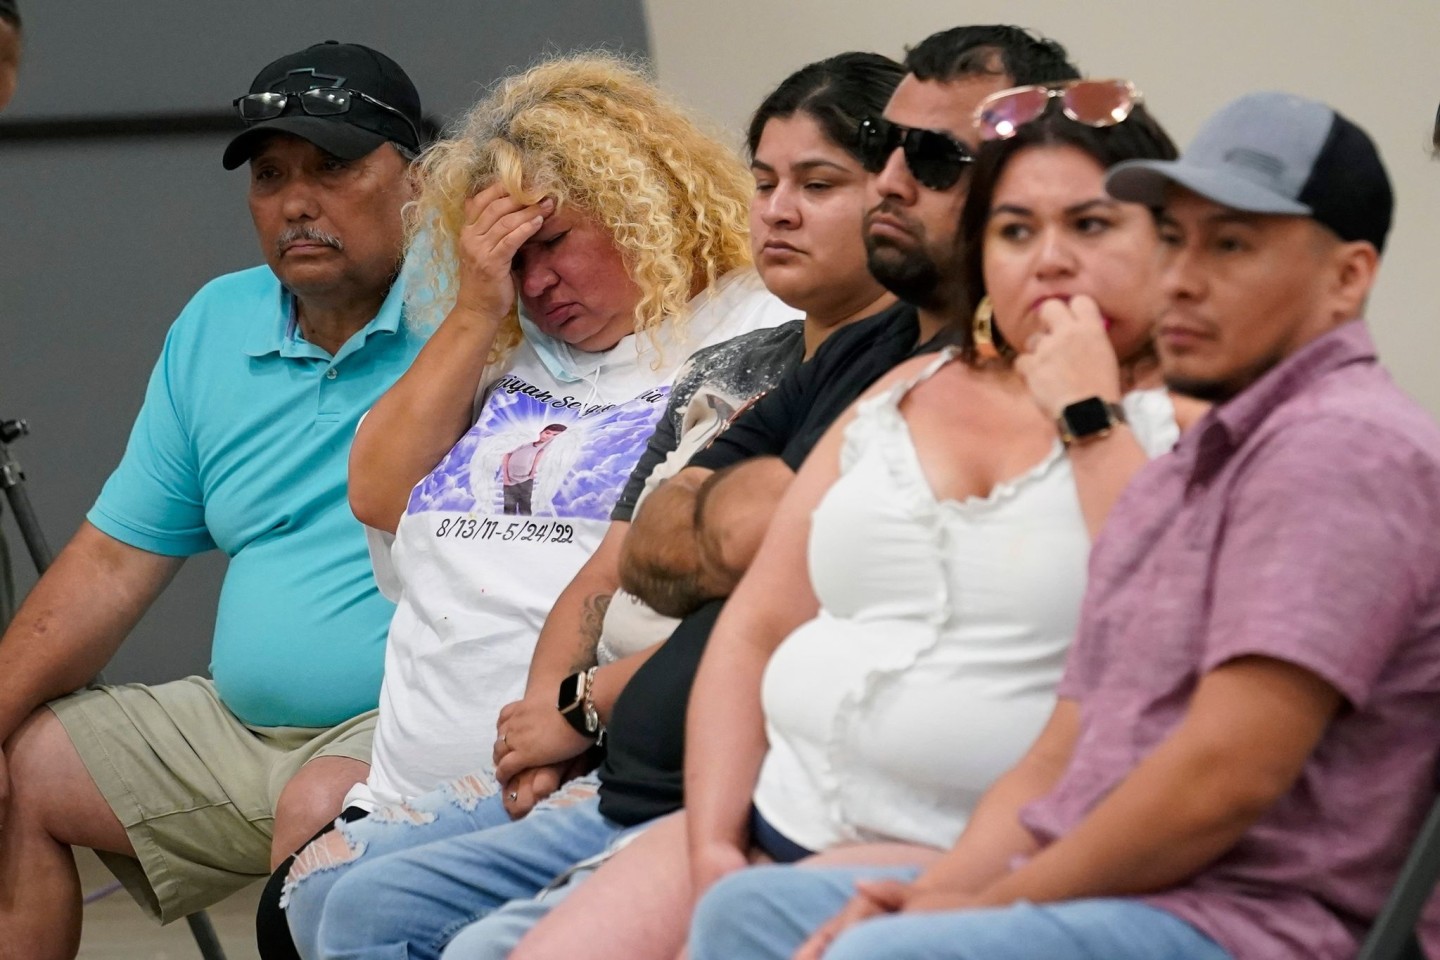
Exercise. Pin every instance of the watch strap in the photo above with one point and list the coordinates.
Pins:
(577, 706)
(571, 701)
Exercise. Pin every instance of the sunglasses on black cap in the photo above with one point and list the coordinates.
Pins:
(316, 102)
(936, 159)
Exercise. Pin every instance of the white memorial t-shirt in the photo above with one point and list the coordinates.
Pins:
(501, 525)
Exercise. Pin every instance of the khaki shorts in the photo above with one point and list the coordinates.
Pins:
(193, 786)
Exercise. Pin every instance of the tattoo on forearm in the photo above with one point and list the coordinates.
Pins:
(592, 621)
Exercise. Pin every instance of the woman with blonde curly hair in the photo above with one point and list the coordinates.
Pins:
(572, 245)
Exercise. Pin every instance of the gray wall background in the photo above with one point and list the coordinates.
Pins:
(103, 241)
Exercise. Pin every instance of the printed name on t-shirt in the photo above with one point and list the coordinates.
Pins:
(512, 385)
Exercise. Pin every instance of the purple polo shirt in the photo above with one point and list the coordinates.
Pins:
(1299, 521)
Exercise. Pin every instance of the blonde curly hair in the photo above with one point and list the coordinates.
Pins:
(593, 132)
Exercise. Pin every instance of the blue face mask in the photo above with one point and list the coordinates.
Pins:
(564, 362)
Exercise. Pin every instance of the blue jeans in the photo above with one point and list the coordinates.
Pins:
(460, 807)
(410, 904)
(768, 912)
(495, 936)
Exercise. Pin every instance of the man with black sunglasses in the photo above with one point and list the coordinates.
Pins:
(190, 790)
(920, 149)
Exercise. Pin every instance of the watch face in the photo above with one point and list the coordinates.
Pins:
(1088, 417)
(569, 697)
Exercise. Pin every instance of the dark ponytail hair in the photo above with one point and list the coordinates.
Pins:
(837, 93)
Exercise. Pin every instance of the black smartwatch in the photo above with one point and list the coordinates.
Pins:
(1088, 419)
(571, 702)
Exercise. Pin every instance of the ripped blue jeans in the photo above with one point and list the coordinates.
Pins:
(460, 808)
(405, 880)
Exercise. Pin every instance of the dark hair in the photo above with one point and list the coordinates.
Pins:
(10, 11)
(555, 427)
(837, 93)
(995, 50)
(1138, 137)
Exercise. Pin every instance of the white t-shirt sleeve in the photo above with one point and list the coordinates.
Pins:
(379, 543)
(1151, 415)
(387, 578)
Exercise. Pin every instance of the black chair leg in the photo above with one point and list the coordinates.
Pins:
(205, 938)
(1392, 937)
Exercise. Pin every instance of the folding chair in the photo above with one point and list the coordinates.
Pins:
(12, 479)
(1393, 935)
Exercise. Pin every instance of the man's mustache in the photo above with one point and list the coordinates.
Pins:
(895, 211)
(307, 235)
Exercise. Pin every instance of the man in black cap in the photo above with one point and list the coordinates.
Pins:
(189, 790)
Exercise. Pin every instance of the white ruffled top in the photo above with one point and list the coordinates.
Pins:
(941, 636)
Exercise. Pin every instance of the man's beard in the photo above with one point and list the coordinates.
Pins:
(1210, 391)
(1221, 391)
(909, 274)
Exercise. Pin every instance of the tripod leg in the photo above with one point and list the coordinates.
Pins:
(7, 585)
(12, 480)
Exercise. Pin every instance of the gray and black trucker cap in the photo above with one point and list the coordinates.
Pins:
(1275, 153)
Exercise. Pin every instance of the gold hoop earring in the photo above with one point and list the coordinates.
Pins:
(982, 332)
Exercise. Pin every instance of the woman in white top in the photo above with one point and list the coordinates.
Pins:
(810, 194)
(905, 756)
(576, 241)
(896, 644)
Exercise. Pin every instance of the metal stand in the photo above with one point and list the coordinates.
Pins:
(12, 481)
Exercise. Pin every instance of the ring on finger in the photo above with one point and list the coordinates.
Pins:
(513, 796)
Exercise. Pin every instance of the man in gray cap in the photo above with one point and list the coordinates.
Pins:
(1247, 732)
(189, 790)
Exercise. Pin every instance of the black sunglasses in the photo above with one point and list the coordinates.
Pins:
(317, 102)
(936, 159)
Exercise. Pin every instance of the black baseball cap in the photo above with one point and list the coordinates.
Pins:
(350, 135)
(1276, 153)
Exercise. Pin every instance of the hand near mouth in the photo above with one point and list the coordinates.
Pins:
(1070, 357)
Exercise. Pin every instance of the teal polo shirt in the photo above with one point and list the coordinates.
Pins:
(242, 445)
